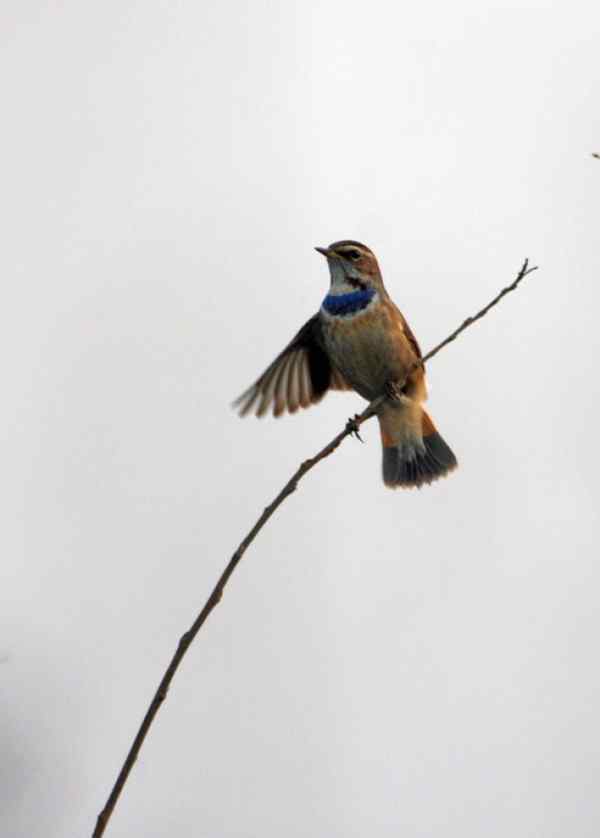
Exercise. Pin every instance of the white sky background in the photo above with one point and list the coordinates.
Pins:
(383, 663)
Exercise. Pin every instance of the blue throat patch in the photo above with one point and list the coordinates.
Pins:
(341, 304)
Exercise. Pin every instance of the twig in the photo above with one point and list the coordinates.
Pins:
(217, 592)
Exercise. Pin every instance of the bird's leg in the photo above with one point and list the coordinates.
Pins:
(393, 392)
(352, 427)
(397, 396)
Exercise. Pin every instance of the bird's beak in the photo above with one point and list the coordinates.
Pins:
(329, 254)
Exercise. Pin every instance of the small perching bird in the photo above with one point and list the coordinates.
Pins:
(359, 340)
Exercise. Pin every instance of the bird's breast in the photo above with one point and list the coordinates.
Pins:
(369, 347)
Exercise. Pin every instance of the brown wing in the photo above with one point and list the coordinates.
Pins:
(415, 386)
(298, 377)
(411, 338)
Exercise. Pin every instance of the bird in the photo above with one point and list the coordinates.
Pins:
(359, 340)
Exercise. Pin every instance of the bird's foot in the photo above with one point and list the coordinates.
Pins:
(352, 427)
(393, 392)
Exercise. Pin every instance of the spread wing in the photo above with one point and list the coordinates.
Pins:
(298, 377)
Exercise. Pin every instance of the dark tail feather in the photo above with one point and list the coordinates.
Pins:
(417, 462)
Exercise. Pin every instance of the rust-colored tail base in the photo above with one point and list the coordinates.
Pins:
(417, 459)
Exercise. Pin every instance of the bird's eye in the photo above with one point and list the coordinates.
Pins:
(353, 254)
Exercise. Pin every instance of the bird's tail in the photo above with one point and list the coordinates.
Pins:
(414, 453)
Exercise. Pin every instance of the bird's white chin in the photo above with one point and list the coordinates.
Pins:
(340, 283)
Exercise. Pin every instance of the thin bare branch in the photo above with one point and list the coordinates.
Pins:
(217, 592)
(525, 269)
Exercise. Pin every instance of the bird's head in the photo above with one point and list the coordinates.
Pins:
(352, 267)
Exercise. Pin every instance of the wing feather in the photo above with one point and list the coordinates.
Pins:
(281, 387)
(268, 391)
(293, 388)
(305, 388)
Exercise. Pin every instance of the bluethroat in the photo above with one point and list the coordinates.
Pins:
(359, 340)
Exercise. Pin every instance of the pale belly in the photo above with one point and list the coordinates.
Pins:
(369, 349)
